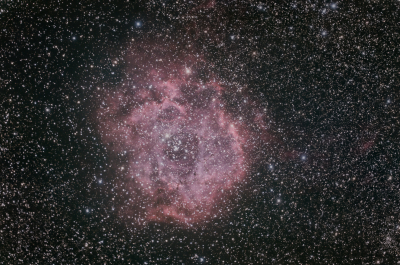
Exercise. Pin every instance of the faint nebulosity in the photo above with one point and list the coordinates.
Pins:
(200, 132)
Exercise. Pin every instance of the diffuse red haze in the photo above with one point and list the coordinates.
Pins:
(182, 151)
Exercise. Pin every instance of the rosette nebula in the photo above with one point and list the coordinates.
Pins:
(181, 152)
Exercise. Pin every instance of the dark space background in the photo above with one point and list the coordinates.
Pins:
(328, 73)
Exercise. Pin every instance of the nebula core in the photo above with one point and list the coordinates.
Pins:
(182, 150)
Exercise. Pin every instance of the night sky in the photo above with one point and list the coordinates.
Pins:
(200, 132)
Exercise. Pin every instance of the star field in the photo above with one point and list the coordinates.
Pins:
(199, 132)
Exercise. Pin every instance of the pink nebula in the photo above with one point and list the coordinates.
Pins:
(183, 152)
